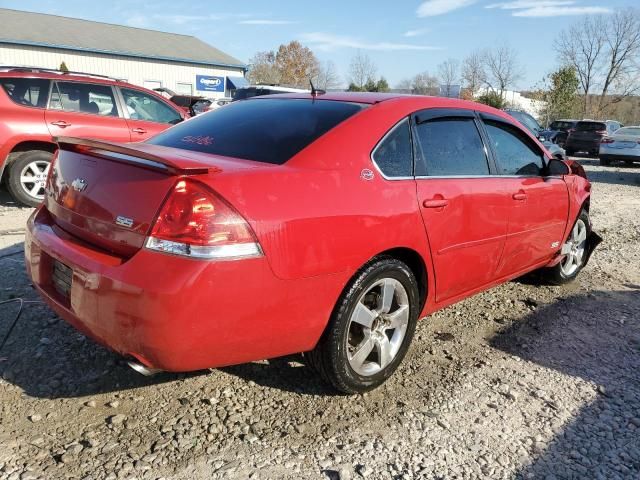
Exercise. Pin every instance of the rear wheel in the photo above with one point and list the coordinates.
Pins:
(27, 177)
(604, 161)
(576, 252)
(371, 328)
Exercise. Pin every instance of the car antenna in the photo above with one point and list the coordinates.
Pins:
(315, 91)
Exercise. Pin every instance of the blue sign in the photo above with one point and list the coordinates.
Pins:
(209, 84)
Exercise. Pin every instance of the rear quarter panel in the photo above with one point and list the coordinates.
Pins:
(316, 215)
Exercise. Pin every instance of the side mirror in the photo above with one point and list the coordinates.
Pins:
(557, 167)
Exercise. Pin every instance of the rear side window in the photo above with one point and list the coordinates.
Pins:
(265, 130)
(515, 153)
(450, 147)
(142, 106)
(590, 126)
(84, 97)
(30, 92)
(393, 155)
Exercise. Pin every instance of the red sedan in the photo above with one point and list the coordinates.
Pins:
(325, 224)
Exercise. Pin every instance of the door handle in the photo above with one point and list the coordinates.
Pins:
(61, 124)
(520, 196)
(435, 203)
(138, 130)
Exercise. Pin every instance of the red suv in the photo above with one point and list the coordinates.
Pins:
(37, 105)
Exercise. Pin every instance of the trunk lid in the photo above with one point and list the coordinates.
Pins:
(109, 195)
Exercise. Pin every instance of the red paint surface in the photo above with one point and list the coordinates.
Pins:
(317, 221)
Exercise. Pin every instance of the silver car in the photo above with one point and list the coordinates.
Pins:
(623, 145)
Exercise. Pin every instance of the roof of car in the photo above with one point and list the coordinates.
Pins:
(34, 72)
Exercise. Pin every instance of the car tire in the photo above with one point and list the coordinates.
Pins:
(629, 163)
(354, 357)
(33, 163)
(569, 268)
(605, 161)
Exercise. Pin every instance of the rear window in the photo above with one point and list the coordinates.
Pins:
(590, 126)
(561, 125)
(634, 131)
(265, 130)
(30, 92)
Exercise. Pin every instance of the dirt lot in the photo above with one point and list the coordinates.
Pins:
(523, 381)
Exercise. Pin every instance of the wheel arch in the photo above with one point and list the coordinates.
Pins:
(22, 147)
(416, 264)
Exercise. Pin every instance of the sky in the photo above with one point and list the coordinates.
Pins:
(402, 37)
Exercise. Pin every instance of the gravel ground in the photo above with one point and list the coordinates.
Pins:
(523, 381)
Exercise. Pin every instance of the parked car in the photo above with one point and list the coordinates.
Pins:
(536, 129)
(588, 134)
(331, 232)
(37, 105)
(220, 102)
(258, 90)
(558, 131)
(623, 145)
(191, 104)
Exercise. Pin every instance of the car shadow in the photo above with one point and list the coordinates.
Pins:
(595, 337)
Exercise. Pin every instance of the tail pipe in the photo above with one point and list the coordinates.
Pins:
(140, 368)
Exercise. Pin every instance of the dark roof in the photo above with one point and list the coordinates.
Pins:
(27, 28)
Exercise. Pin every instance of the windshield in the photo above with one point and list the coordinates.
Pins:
(527, 120)
(265, 130)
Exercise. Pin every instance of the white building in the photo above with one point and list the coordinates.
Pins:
(517, 101)
(143, 57)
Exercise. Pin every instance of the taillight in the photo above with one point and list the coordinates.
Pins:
(196, 222)
(571, 130)
(607, 140)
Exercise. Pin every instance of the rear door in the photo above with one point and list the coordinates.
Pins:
(539, 205)
(147, 115)
(86, 110)
(463, 207)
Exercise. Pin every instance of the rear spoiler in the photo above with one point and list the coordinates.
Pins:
(131, 154)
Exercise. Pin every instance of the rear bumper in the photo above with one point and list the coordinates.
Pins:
(620, 154)
(174, 313)
(582, 145)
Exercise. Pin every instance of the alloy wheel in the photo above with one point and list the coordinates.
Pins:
(33, 178)
(377, 326)
(576, 245)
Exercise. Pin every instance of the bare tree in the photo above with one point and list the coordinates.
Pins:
(473, 72)
(362, 70)
(449, 74)
(406, 85)
(327, 78)
(424, 84)
(622, 43)
(502, 67)
(262, 68)
(581, 47)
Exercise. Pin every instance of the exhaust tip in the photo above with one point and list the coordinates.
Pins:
(141, 369)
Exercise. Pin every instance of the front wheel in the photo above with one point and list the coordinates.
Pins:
(27, 177)
(575, 252)
(371, 328)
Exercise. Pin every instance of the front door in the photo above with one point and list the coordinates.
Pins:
(463, 207)
(539, 204)
(146, 114)
(86, 110)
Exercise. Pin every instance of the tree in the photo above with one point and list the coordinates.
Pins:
(493, 99)
(327, 78)
(370, 86)
(605, 53)
(502, 68)
(296, 64)
(63, 67)
(562, 95)
(581, 47)
(473, 72)
(361, 70)
(448, 74)
(263, 69)
(424, 84)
